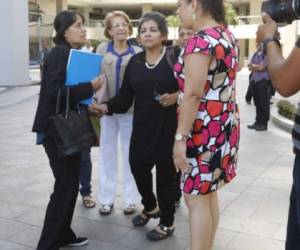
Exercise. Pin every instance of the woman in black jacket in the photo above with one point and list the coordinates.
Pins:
(57, 232)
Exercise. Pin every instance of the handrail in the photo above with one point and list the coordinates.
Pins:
(248, 19)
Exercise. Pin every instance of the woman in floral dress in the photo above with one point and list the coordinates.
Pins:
(207, 136)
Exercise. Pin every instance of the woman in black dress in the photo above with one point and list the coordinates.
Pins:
(149, 83)
(57, 232)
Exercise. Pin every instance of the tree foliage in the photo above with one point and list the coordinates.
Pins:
(173, 21)
(230, 12)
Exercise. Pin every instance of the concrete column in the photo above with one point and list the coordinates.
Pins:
(61, 5)
(86, 12)
(242, 46)
(146, 8)
(242, 10)
(14, 40)
(255, 9)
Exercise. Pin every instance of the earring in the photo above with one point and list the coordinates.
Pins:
(194, 17)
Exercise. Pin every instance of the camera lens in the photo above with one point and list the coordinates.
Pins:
(282, 11)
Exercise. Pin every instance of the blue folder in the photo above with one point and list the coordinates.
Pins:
(83, 67)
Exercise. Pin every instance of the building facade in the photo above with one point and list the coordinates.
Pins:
(95, 10)
(38, 25)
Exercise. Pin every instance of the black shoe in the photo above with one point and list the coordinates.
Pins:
(248, 102)
(78, 242)
(155, 235)
(258, 127)
(252, 126)
(261, 128)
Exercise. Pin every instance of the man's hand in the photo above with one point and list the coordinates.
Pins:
(256, 67)
(268, 29)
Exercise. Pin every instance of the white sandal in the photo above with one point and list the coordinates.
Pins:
(129, 209)
(105, 209)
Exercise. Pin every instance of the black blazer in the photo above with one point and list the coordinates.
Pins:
(53, 79)
(153, 126)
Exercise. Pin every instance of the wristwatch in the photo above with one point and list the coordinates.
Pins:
(179, 98)
(180, 137)
(270, 39)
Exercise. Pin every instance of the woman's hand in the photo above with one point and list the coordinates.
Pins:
(179, 156)
(167, 100)
(98, 82)
(93, 112)
(98, 109)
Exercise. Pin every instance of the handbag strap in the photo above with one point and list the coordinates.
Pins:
(57, 101)
(67, 102)
(67, 109)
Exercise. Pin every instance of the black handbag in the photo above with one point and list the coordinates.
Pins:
(72, 130)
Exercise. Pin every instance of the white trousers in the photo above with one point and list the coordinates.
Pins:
(112, 128)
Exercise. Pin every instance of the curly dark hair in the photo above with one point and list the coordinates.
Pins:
(157, 17)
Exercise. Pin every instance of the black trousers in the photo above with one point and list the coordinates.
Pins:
(293, 225)
(166, 187)
(249, 94)
(57, 225)
(261, 98)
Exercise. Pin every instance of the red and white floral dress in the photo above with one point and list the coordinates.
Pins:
(213, 143)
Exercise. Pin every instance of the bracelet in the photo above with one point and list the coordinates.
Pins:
(268, 40)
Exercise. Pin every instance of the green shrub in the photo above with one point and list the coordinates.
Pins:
(286, 109)
(94, 43)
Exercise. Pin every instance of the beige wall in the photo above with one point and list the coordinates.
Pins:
(53, 7)
(146, 8)
(255, 6)
(61, 5)
(48, 7)
(244, 33)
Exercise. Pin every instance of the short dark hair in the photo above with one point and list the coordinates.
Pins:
(157, 17)
(215, 8)
(62, 22)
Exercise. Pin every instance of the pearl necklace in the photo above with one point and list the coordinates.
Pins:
(152, 66)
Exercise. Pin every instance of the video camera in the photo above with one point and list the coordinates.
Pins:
(282, 11)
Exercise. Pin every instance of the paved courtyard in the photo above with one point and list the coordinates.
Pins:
(253, 208)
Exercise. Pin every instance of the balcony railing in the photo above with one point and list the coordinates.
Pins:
(101, 23)
(242, 20)
(96, 23)
(36, 18)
